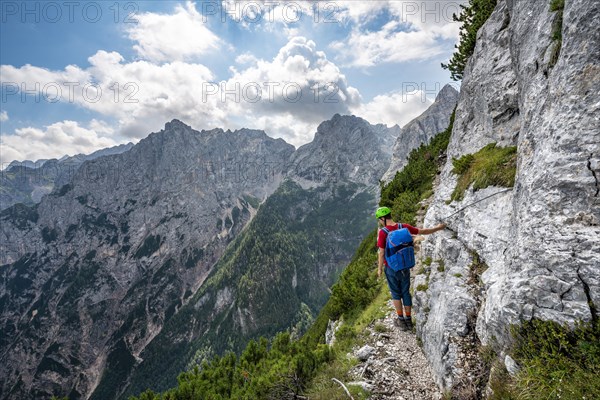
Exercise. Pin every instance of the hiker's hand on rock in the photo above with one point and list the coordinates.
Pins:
(442, 226)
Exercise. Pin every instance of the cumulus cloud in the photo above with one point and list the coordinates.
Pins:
(288, 96)
(394, 108)
(300, 81)
(246, 58)
(359, 12)
(54, 141)
(3, 116)
(389, 44)
(141, 95)
(414, 31)
(168, 37)
(293, 130)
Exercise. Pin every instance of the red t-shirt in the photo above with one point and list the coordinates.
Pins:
(382, 236)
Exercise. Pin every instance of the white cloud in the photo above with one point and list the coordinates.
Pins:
(433, 16)
(394, 108)
(246, 58)
(425, 23)
(299, 86)
(3, 116)
(356, 11)
(54, 141)
(140, 95)
(101, 128)
(415, 31)
(287, 127)
(169, 37)
(159, 93)
(367, 49)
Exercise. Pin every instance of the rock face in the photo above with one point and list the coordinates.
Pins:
(421, 129)
(533, 251)
(93, 272)
(26, 182)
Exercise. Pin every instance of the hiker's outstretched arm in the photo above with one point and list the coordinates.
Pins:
(427, 231)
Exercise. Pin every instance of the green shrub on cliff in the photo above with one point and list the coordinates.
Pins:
(556, 362)
(557, 6)
(415, 181)
(473, 16)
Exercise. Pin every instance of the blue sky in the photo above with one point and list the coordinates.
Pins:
(98, 74)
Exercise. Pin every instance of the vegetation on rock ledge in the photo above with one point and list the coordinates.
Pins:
(490, 166)
(415, 181)
(557, 6)
(555, 361)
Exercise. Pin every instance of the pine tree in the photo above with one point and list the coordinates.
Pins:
(472, 17)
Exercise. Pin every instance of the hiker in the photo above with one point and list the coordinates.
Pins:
(398, 281)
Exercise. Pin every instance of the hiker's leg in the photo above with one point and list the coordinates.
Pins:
(403, 308)
(405, 290)
(398, 306)
(395, 290)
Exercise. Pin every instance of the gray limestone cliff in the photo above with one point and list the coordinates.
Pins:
(531, 251)
(421, 129)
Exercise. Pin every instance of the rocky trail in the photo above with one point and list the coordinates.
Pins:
(393, 365)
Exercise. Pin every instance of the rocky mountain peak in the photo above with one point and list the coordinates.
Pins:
(447, 94)
(346, 147)
(421, 129)
(337, 126)
(176, 124)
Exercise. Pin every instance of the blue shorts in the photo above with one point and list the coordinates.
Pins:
(399, 283)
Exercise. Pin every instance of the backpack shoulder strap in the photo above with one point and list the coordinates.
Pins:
(386, 230)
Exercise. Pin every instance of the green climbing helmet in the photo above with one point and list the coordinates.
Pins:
(382, 212)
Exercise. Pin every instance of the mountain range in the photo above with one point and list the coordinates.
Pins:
(27, 181)
(186, 244)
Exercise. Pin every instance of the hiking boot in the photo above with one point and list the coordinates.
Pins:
(408, 324)
(399, 323)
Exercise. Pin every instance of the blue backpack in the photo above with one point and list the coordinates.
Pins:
(399, 250)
